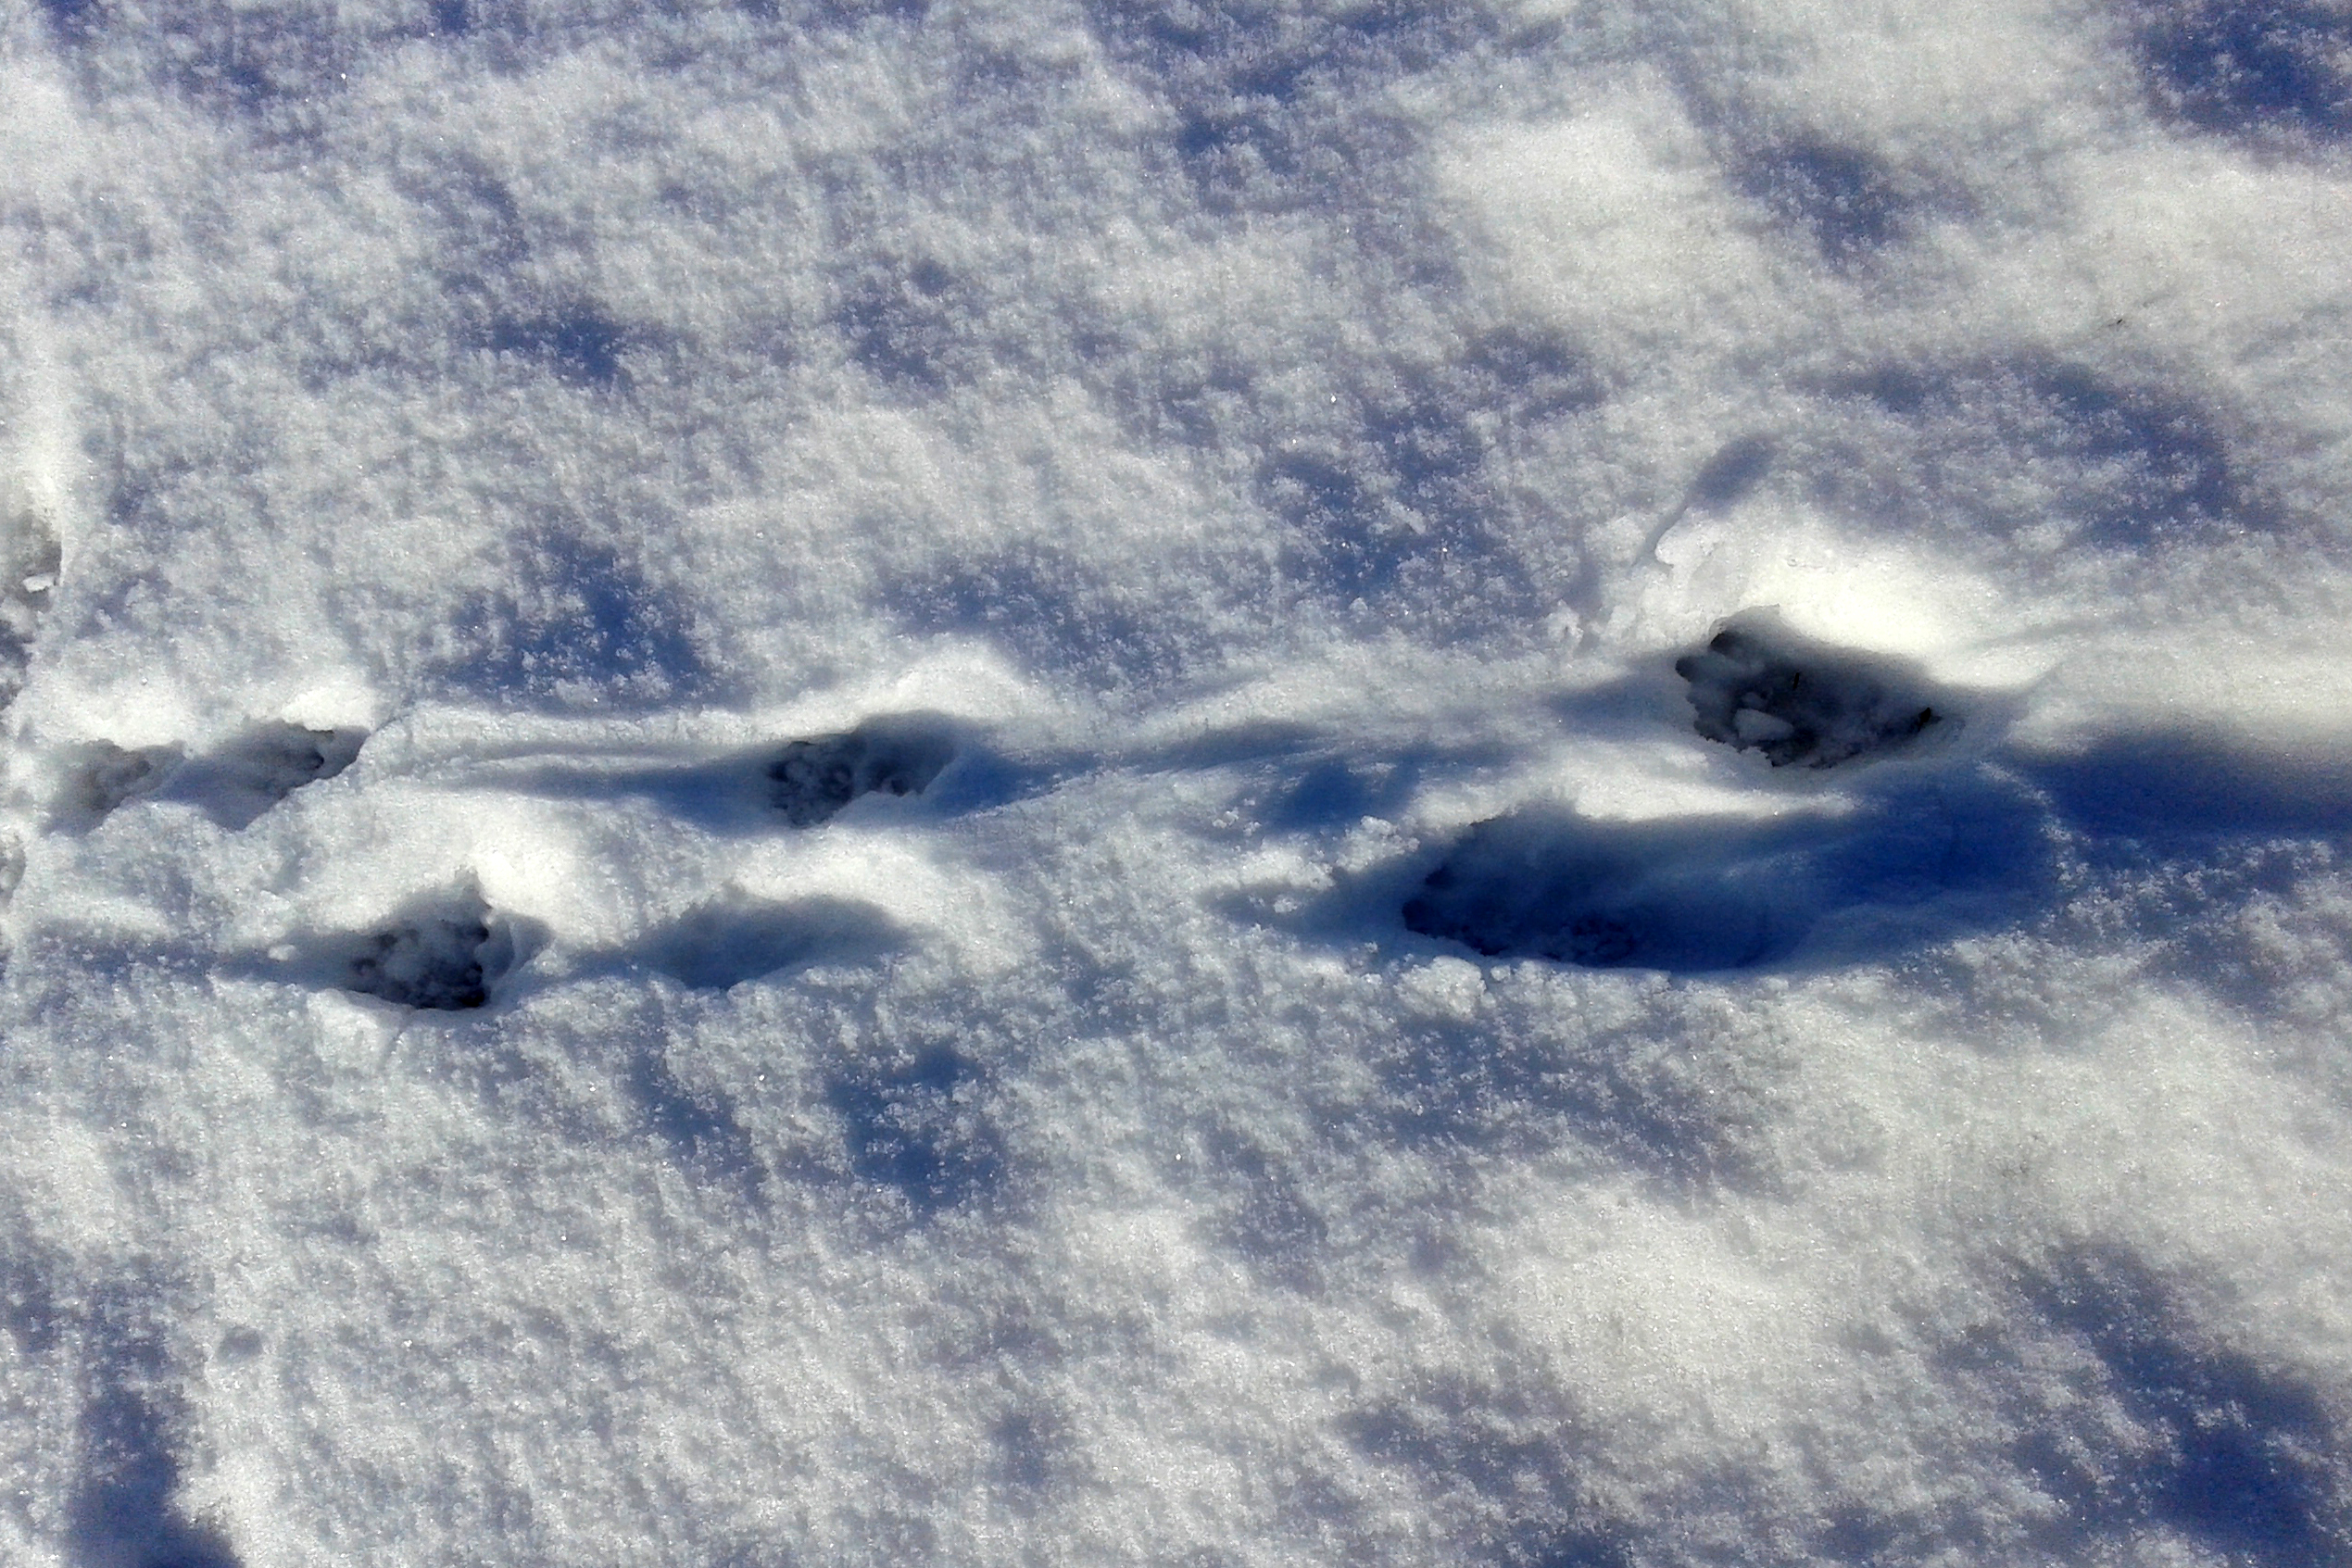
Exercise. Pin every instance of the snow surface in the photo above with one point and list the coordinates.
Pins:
(895, 783)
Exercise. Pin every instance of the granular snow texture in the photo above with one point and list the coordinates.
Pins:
(1175, 782)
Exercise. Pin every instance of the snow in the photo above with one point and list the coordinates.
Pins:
(1147, 782)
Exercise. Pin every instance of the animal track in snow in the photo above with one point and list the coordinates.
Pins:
(1758, 686)
(233, 786)
(96, 779)
(1680, 896)
(812, 780)
(1732, 892)
(446, 956)
(236, 783)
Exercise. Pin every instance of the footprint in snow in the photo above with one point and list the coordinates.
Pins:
(234, 784)
(1758, 686)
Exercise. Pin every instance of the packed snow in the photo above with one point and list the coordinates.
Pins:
(1563, 784)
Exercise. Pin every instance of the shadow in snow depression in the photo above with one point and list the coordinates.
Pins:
(1737, 468)
(581, 345)
(1514, 1455)
(92, 781)
(1909, 861)
(123, 1516)
(2277, 74)
(1923, 844)
(125, 1509)
(1735, 892)
(697, 1123)
(1046, 608)
(235, 784)
(913, 325)
(920, 1129)
(2042, 450)
(30, 1310)
(2131, 1416)
(724, 943)
(448, 951)
(1387, 495)
(2168, 786)
(1850, 205)
(1275, 109)
(1295, 780)
(571, 622)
